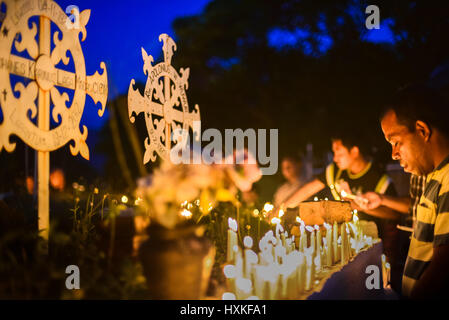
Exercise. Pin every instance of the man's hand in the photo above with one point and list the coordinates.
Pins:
(374, 201)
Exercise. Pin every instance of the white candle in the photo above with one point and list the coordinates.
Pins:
(249, 256)
(303, 237)
(318, 249)
(239, 264)
(328, 244)
(335, 242)
(232, 239)
(348, 242)
(302, 271)
(343, 244)
(230, 274)
(312, 239)
(243, 288)
(310, 268)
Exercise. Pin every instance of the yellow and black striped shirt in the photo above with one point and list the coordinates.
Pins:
(431, 228)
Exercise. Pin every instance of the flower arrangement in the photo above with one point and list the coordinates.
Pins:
(175, 194)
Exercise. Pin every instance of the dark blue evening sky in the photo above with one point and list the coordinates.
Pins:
(117, 29)
(115, 33)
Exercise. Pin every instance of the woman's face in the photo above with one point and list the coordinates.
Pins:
(290, 170)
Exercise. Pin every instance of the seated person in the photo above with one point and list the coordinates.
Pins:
(291, 171)
(353, 172)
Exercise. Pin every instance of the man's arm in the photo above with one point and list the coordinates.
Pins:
(375, 200)
(436, 276)
(303, 193)
(383, 212)
(400, 204)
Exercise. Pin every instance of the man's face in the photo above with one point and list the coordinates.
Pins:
(409, 148)
(290, 170)
(342, 156)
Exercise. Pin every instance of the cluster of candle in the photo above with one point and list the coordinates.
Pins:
(286, 267)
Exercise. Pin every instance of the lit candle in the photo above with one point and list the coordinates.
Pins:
(230, 274)
(250, 256)
(301, 272)
(343, 250)
(243, 288)
(310, 274)
(261, 285)
(328, 244)
(318, 249)
(312, 239)
(348, 242)
(335, 242)
(232, 239)
(303, 237)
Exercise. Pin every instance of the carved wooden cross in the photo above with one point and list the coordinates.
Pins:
(37, 62)
(164, 102)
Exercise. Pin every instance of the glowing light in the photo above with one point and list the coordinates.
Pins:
(248, 242)
(326, 199)
(138, 201)
(275, 220)
(355, 211)
(186, 214)
(124, 199)
(281, 213)
(298, 219)
(344, 194)
(315, 199)
(256, 213)
(229, 271)
(96, 191)
(310, 229)
(316, 227)
(268, 207)
(232, 224)
(228, 296)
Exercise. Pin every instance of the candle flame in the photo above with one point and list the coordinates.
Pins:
(138, 201)
(268, 207)
(186, 214)
(281, 213)
(275, 220)
(256, 213)
(124, 199)
(343, 193)
(315, 199)
(232, 224)
(310, 229)
(298, 219)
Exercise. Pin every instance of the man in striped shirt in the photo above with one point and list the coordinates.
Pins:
(416, 125)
